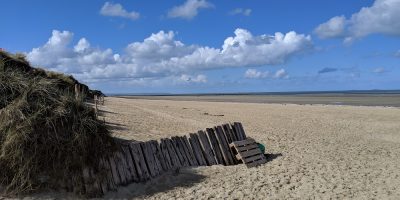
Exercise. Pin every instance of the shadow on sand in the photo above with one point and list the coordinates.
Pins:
(272, 156)
(116, 126)
(168, 181)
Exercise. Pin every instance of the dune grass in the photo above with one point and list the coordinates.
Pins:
(47, 136)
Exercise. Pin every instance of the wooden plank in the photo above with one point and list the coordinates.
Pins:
(139, 161)
(248, 141)
(230, 137)
(194, 149)
(239, 130)
(120, 168)
(148, 158)
(184, 151)
(247, 147)
(215, 146)
(236, 133)
(109, 177)
(129, 161)
(181, 156)
(114, 170)
(198, 144)
(253, 158)
(127, 171)
(189, 150)
(228, 130)
(103, 179)
(245, 154)
(173, 155)
(177, 152)
(166, 155)
(151, 153)
(159, 156)
(206, 147)
(154, 144)
(198, 152)
(226, 152)
(235, 127)
(242, 130)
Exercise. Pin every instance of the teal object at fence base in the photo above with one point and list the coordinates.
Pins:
(262, 147)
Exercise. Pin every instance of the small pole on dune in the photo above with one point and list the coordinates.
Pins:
(95, 103)
(76, 92)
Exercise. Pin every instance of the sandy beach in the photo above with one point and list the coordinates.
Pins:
(315, 151)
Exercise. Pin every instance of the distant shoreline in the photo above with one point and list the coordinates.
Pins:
(355, 98)
(342, 92)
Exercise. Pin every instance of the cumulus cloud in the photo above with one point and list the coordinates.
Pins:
(281, 74)
(57, 55)
(241, 11)
(327, 70)
(116, 10)
(332, 28)
(189, 9)
(255, 74)
(382, 17)
(161, 55)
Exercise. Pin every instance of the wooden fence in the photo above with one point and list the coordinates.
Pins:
(141, 161)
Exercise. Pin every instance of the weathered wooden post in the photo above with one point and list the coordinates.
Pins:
(95, 103)
(76, 91)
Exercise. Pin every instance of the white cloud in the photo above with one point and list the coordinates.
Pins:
(254, 74)
(193, 79)
(332, 28)
(57, 55)
(189, 9)
(161, 55)
(281, 74)
(50, 53)
(241, 11)
(382, 17)
(116, 10)
(82, 45)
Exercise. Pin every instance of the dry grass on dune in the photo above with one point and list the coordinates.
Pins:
(46, 135)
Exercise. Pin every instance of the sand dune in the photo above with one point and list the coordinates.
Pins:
(316, 151)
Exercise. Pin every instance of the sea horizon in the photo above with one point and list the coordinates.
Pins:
(364, 92)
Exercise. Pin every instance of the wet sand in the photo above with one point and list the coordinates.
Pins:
(302, 99)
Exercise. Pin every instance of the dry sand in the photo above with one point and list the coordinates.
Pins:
(317, 152)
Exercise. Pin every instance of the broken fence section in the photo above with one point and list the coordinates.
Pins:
(141, 161)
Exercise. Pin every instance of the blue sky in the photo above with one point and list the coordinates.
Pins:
(199, 46)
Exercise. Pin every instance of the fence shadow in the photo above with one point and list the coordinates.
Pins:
(116, 126)
(272, 156)
(168, 181)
